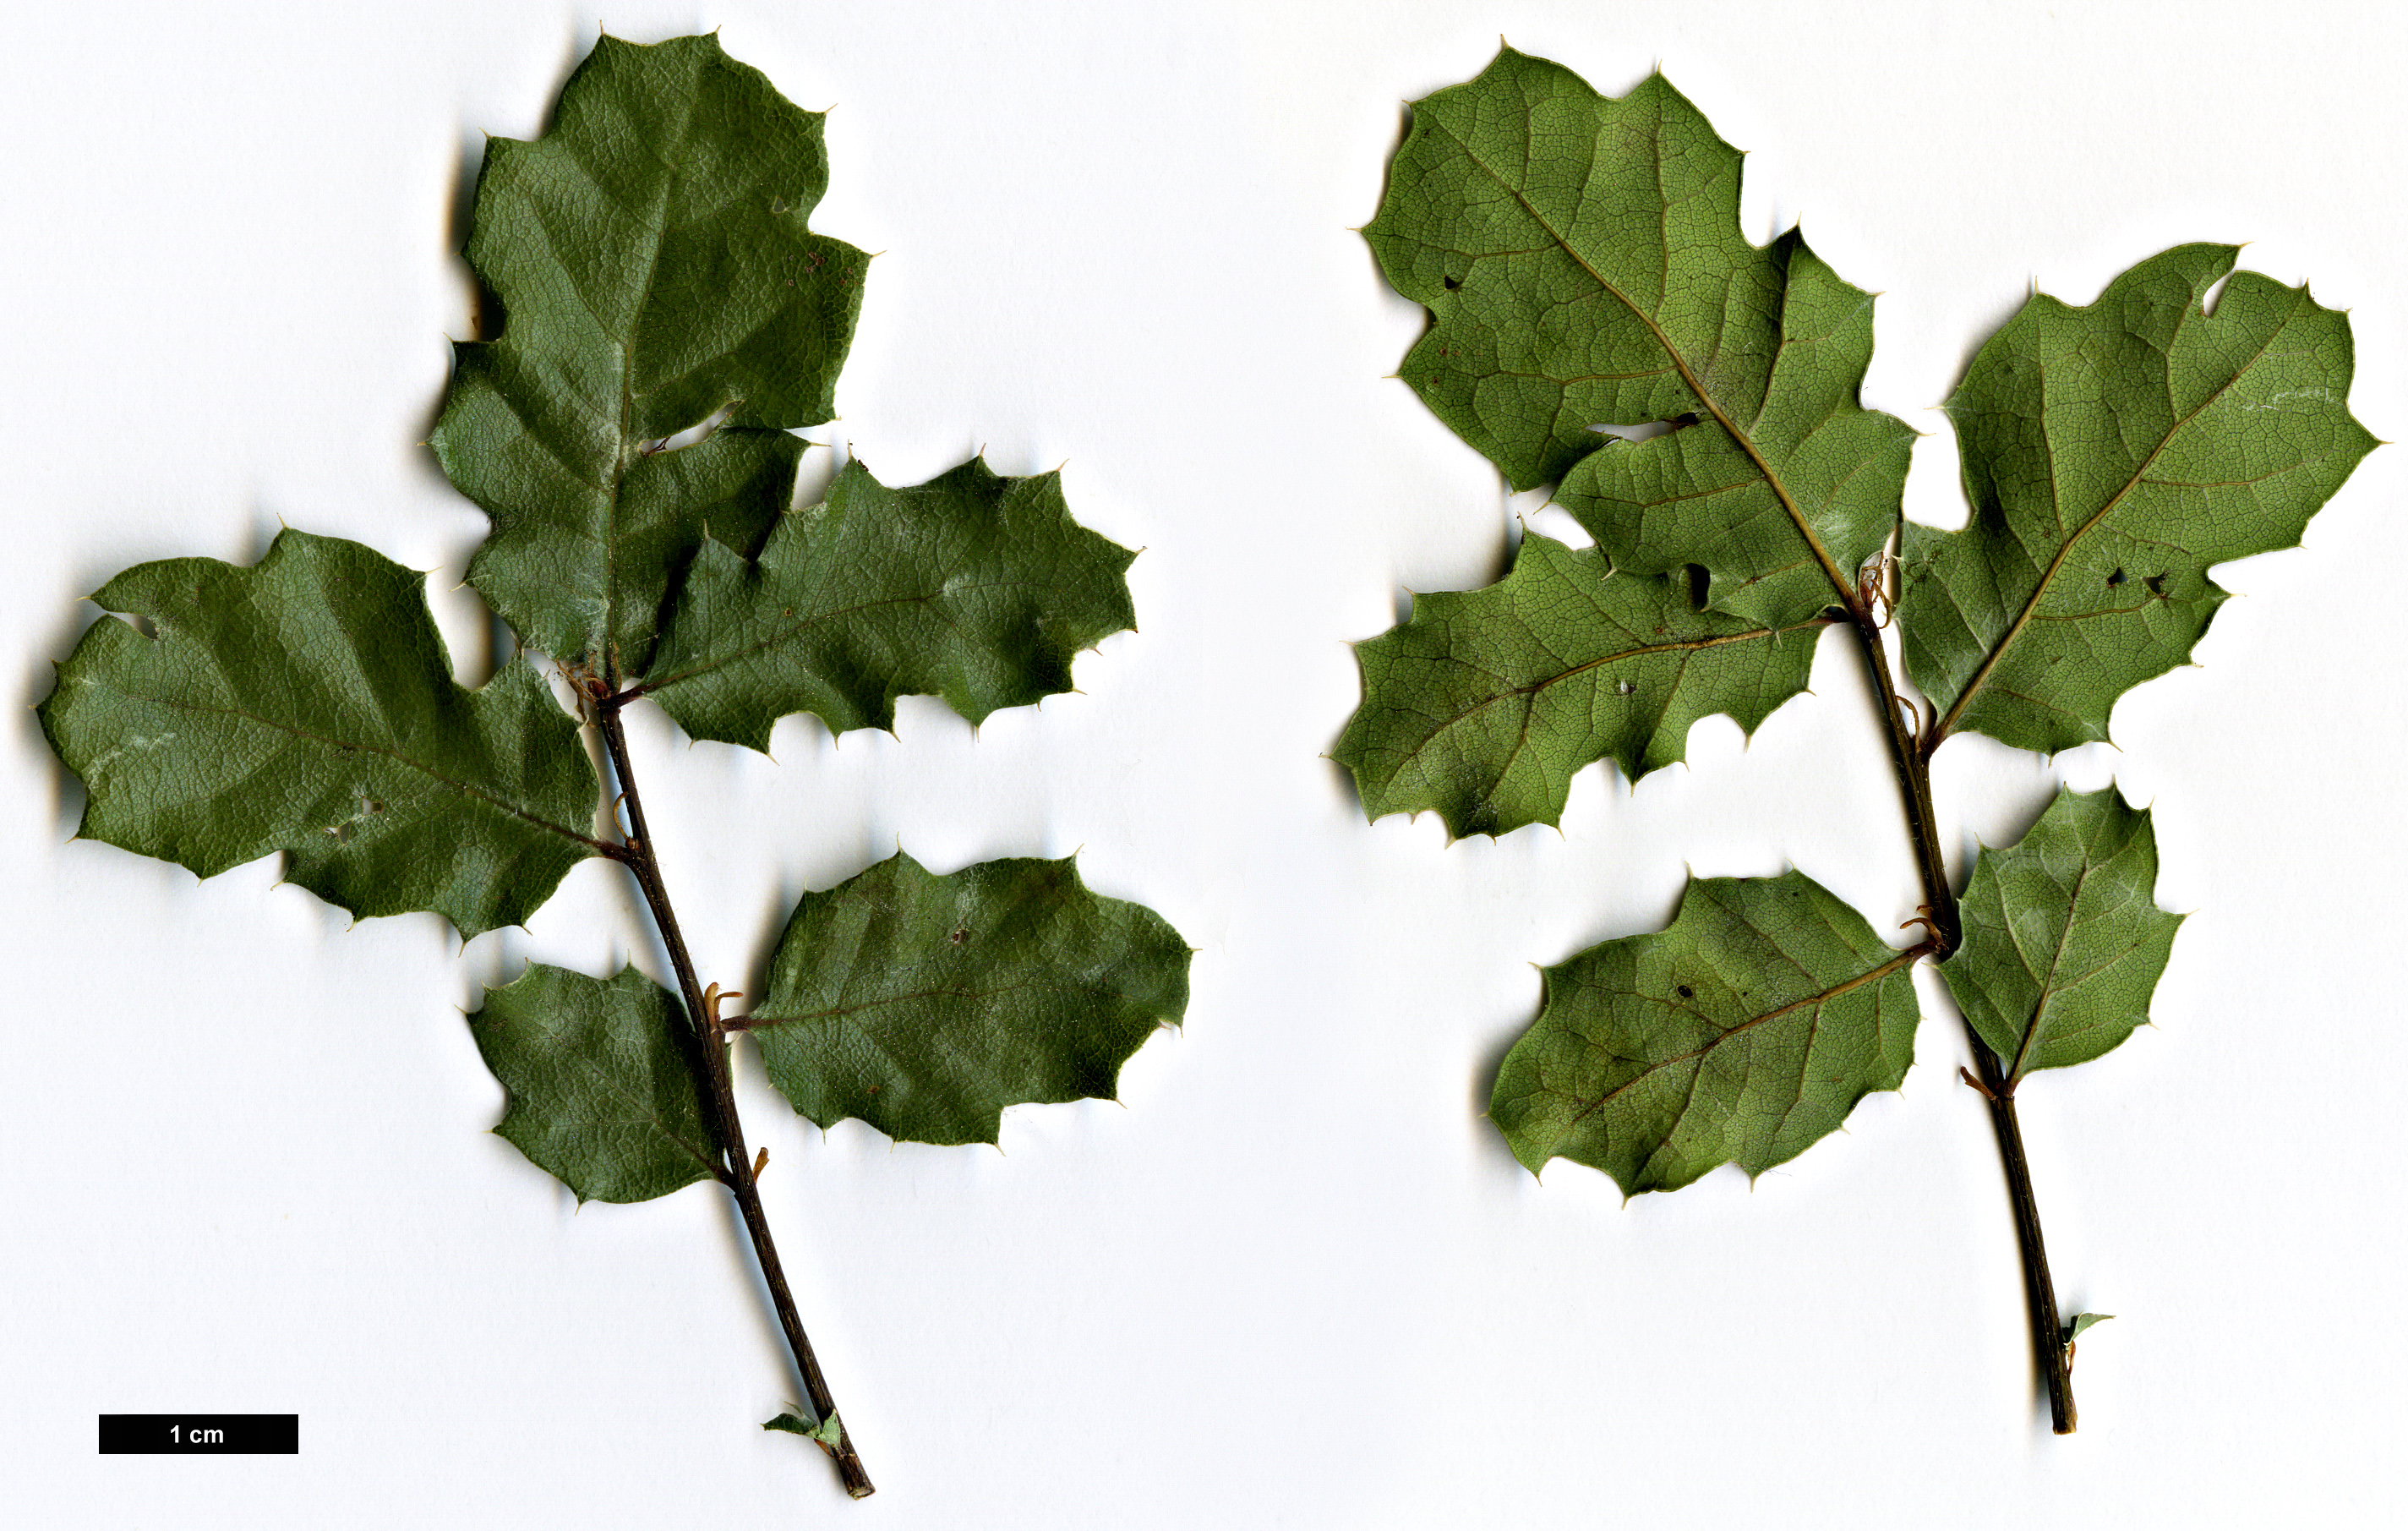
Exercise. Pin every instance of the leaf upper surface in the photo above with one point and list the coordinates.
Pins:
(306, 705)
(600, 1075)
(972, 586)
(1740, 1033)
(1485, 704)
(925, 1004)
(1582, 264)
(2111, 454)
(654, 261)
(2064, 941)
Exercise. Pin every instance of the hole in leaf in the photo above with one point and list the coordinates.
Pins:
(2116, 579)
(2157, 583)
(1686, 993)
(1646, 430)
(1451, 284)
(693, 435)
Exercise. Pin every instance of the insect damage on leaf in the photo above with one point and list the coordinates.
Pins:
(1484, 705)
(2111, 454)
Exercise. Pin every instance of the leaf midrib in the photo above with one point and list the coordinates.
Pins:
(785, 635)
(464, 788)
(1686, 646)
(760, 1021)
(2048, 984)
(639, 1108)
(656, 228)
(1901, 960)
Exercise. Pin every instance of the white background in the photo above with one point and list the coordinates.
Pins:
(1294, 1278)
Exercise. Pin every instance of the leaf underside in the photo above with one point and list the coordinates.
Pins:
(305, 704)
(1740, 1033)
(2064, 941)
(601, 1075)
(972, 586)
(925, 1004)
(655, 262)
(1484, 704)
(1582, 264)
(2111, 454)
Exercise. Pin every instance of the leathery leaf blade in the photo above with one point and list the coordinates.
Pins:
(1582, 264)
(972, 586)
(2064, 941)
(2111, 454)
(600, 1075)
(305, 704)
(925, 1004)
(1740, 1033)
(1485, 704)
(655, 265)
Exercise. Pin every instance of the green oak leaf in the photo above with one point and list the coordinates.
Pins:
(1485, 704)
(829, 1433)
(1582, 264)
(2111, 454)
(2064, 941)
(600, 1075)
(972, 586)
(306, 705)
(1741, 1032)
(925, 1004)
(2074, 1325)
(654, 260)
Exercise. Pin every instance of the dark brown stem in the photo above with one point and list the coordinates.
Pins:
(2040, 1293)
(711, 1042)
(1911, 759)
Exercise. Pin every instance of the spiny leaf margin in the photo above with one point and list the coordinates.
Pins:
(1740, 1033)
(2063, 939)
(600, 1081)
(314, 710)
(2111, 454)
(973, 586)
(1583, 262)
(925, 1004)
(657, 271)
(1483, 705)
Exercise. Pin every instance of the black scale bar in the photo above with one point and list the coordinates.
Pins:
(200, 1435)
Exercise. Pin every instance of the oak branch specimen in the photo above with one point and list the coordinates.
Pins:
(671, 316)
(1583, 265)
